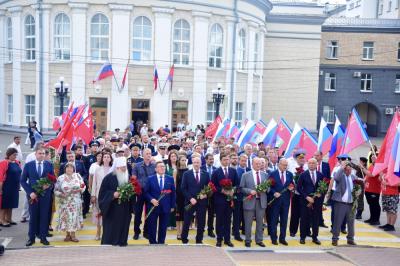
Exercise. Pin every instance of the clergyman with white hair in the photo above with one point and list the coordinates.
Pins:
(116, 216)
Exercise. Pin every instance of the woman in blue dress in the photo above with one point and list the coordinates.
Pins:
(10, 173)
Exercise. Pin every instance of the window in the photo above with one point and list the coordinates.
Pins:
(368, 51)
(332, 50)
(242, 49)
(181, 49)
(330, 81)
(380, 11)
(210, 112)
(57, 105)
(141, 43)
(9, 40)
(99, 38)
(328, 114)
(30, 38)
(62, 37)
(29, 108)
(366, 82)
(10, 111)
(397, 4)
(397, 85)
(216, 44)
(389, 6)
(253, 111)
(256, 51)
(238, 114)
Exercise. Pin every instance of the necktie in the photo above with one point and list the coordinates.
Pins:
(161, 182)
(197, 177)
(258, 178)
(348, 190)
(210, 170)
(282, 178)
(248, 162)
(318, 168)
(226, 172)
(313, 177)
(39, 169)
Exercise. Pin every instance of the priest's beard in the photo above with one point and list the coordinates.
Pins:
(122, 176)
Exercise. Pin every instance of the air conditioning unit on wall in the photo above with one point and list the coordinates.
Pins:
(356, 74)
(389, 111)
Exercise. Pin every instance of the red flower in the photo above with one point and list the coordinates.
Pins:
(326, 180)
(272, 181)
(291, 186)
(136, 186)
(212, 187)
(226, 183)
(52, 178)
(358, 182)
(82, 185)
(299, 170)
(166, 191)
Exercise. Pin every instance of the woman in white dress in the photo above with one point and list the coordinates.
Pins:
(100, 173)
(93, 168)
(68, 189)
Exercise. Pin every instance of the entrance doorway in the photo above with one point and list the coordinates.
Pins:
(140, 113)
(99, 111)
(179, 113)
(370, 116)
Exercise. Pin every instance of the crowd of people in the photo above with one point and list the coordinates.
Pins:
(171, 172)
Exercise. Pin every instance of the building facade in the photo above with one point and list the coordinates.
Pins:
(384, 9)
(360, 67)
(209, 43)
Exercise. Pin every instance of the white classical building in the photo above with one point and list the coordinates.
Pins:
(212, 44)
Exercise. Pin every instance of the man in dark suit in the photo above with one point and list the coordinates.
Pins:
(310, 203)
(209, 168)
(280, 207)
(325, 170)
(162, 208)
(147, 145)
(193, 182)
(223, 208)
(40, 205)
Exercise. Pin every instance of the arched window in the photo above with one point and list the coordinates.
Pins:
(181, 49)
(99, 38)
(30, 38)
(242, 49)
(142, 37)
(62, 37)
(216, 44)
(9, 40)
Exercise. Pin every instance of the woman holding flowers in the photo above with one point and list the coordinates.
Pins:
(180, 200)
(68, 189)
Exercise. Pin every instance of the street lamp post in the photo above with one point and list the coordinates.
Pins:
(61, 92)
(218, 99)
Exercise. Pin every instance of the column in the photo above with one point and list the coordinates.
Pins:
(250, 68)
(78, 51)
(18, 53)
(120, 101)
(42, 65)
(262, 31)
(3, 51)
(200, 56)
(230, 66)
(160, 104)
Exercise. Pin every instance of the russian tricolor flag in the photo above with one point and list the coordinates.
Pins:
(294, 140)
(355, 134)
(269, 134)
(104, 72)
(393, 171)
(283, 134)
(155, 78)
(246, 133)
(223, 128)
(336, 146)
(324, 137)
(308, 143)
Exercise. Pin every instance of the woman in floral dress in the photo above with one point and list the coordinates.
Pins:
(68, 189)
(100, 173)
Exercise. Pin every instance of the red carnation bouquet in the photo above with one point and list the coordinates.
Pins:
(207, 191)
(299, 171)
(290, 187)
(356, 193)
(164, 193)
(42, 184)
(322, 188)
(128, 190)
(262, 187)
(228, 187)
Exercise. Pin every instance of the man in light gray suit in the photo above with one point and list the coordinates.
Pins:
(343, 202)
(256, 205)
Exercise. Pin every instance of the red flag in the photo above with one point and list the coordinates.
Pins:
(155, 78)
(56, 123)
(85, 130)
(382, 161)
(124, 78)
(355, 134)
(308, 143)
(170, 77)
(212, 128)
(283, 134)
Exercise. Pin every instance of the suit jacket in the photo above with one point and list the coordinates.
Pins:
(152, 191)
(325, 170)
(30, 175)
(151, 147)
(88, 160)
(278, 187)
(305, 185)
(190, 188)
(247, 185)
(217, 176)
(204, 168)
(240, 171)
(80, 168)
(340, 186)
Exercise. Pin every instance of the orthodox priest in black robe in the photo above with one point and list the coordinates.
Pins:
(116, 217)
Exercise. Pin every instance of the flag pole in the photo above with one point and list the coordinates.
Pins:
(372, 147)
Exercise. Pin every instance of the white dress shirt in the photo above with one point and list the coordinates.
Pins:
(159, 179)
(348, 190)
(255, 176)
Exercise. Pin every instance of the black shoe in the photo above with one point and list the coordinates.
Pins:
(198, 242)
(219, 244)
(51, 229)
(229, 244)
(292, 235)
(384, 226)
(374, 223)
(343, 231)
(211, 234)
(185, 241)
(135, 236)
(49, 235)
(24, 220)
(178, 238)
(247, 244)
(351, 242)
(30, 243)
(146, 235)
(238, 238)
(316, 241)
(358, 217)
(334, 243)
(368, 221)
(302, 241)
(283, 242)
(45, 242)
(323, 225)
(84, 216)
(274, 242)
(13, 223)
(5, 225)
(389, 228)
(261, 244)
